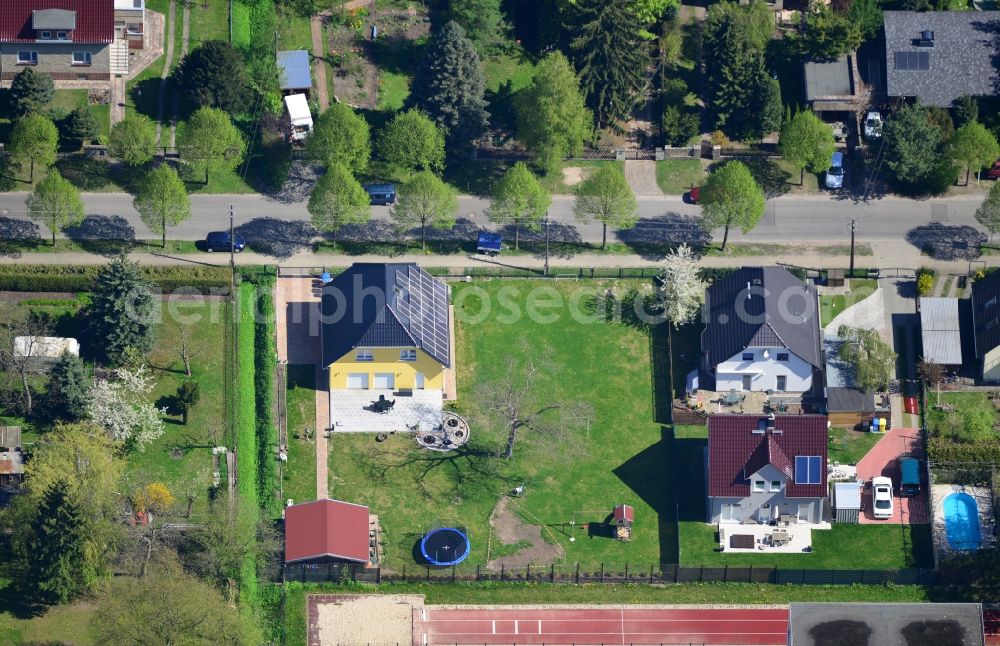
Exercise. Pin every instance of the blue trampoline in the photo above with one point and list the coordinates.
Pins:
(445, 546)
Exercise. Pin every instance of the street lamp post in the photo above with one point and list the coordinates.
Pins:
(546, 243)
(851, 273)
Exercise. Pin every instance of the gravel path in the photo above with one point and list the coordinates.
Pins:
(641, 176)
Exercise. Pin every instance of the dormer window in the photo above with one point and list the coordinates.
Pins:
(45, 35)
(62, 35)
(758, 486)
(775, 486)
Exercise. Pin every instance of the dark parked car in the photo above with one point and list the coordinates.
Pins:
(219, 241)
(383, 194)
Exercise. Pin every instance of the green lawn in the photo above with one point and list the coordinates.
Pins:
(209, 21)
(515, 69)
(183, 453)
(810, 181)
(393, 90)
(832, 305)
(299, 479)
(847, 446)
(293, 29)
(677, 176)
(972, 411)
(620, 460)
(65, 101)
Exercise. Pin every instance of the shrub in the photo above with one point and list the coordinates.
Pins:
(925, 282)
(75, 278)
(680, 125)
(944, 449)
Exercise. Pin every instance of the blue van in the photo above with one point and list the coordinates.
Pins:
(383, 194)
(909, 476)
(835, 174)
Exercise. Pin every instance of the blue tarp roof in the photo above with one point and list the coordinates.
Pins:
(295, 64)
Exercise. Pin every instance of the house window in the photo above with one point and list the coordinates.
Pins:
(45, 35)
(62, 35)
(782, 383)
(407, 355)
(81, 58)
(26, 57)
(364, 355)
(134, 27)
(748, 356)
(782, 356)
(730, 513)
(776, 485)
(758, 486)
(807, 469)
(747, 382)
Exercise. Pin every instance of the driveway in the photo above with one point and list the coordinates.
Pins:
(881, 461)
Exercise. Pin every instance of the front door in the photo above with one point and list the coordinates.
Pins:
(420, 381)
(747, 382)
(385, 381)
(357, 380)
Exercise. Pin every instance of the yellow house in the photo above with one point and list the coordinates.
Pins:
(385, 327)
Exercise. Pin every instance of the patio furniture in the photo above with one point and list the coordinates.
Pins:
(787, 519)
(741, 541)
(383, 405)
(731, 398)
(780, 538)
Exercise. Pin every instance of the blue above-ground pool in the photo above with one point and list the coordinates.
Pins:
(961, 521)
(445, 546)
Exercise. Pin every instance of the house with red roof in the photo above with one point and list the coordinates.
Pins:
(328, 531)
(70, 40)
(764, 467)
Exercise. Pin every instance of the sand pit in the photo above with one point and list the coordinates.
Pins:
(573, 175)
(376, 619)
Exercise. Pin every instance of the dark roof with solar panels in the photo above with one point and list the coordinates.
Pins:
(385, 305)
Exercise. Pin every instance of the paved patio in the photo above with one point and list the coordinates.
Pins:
(419, 411)
(799, 533)
(881, 461)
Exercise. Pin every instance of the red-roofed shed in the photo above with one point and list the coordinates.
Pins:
(624, 513)
(326, 529)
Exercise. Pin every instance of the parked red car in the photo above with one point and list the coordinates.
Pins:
(693, 194)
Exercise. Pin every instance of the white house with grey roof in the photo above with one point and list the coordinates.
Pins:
(761, 333)
(939, 56)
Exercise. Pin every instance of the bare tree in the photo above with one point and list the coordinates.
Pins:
(185, 349)
(932, 374)
(517, 401)
(17, 357)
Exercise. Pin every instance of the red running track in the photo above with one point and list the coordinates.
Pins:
(500, 626)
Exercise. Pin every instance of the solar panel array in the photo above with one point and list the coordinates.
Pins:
(912, 60)
(424, 302)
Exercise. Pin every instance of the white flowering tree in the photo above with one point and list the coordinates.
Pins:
(681, 289)
(121, 407)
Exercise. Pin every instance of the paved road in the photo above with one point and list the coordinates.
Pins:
(814, 218)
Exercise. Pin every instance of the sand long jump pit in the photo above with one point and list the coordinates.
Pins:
(349, 620)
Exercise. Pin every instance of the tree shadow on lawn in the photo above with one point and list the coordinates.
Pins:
(565, 240)
(107, 235)
(18, 235)
(649, 476)
(279, 238)
(144, 95)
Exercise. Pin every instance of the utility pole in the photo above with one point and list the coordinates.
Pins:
(546, 243)
(232, 249)
(851, 273)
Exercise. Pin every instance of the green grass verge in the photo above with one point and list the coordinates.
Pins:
(265, 355)
(246, 431)
(615, 455)
(299, 478)
(519, 594)
(677, 176)
(182, 455)
(832, 305)
(847, 446)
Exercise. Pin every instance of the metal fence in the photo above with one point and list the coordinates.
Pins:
(628, 573)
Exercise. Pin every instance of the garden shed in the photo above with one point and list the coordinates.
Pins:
(846, 502)
(44, 350)
(295, 74)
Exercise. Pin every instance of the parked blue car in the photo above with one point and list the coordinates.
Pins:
(219, 241)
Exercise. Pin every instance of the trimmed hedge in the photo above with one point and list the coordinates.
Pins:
(945, 450)
(265, 358)
(74, 278)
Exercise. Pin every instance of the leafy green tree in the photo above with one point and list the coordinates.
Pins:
(58, 565)
(169, 606)
(56, 203)
(680, 125)
(213, 76)
(807, 142)
(133, 140)
(31, 91)
(69, 388)
(162, 200)
(211, 141)
(450, 87)
(739, 90)
(871, 358)
(34, 139)
(482, 20)
(611, 56)
(412, 141)
(827, 34)
(188, 395)
(974, 146)
(552, 119)
(338, 200)
(731, 198)
(867, 14)
(965, 110)
(341, 135)
(424, 200)
(914, 151)
(606, 197)
(519, 199)
(120, 314)
(988, 213)
(81, 125)
(652, 11)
